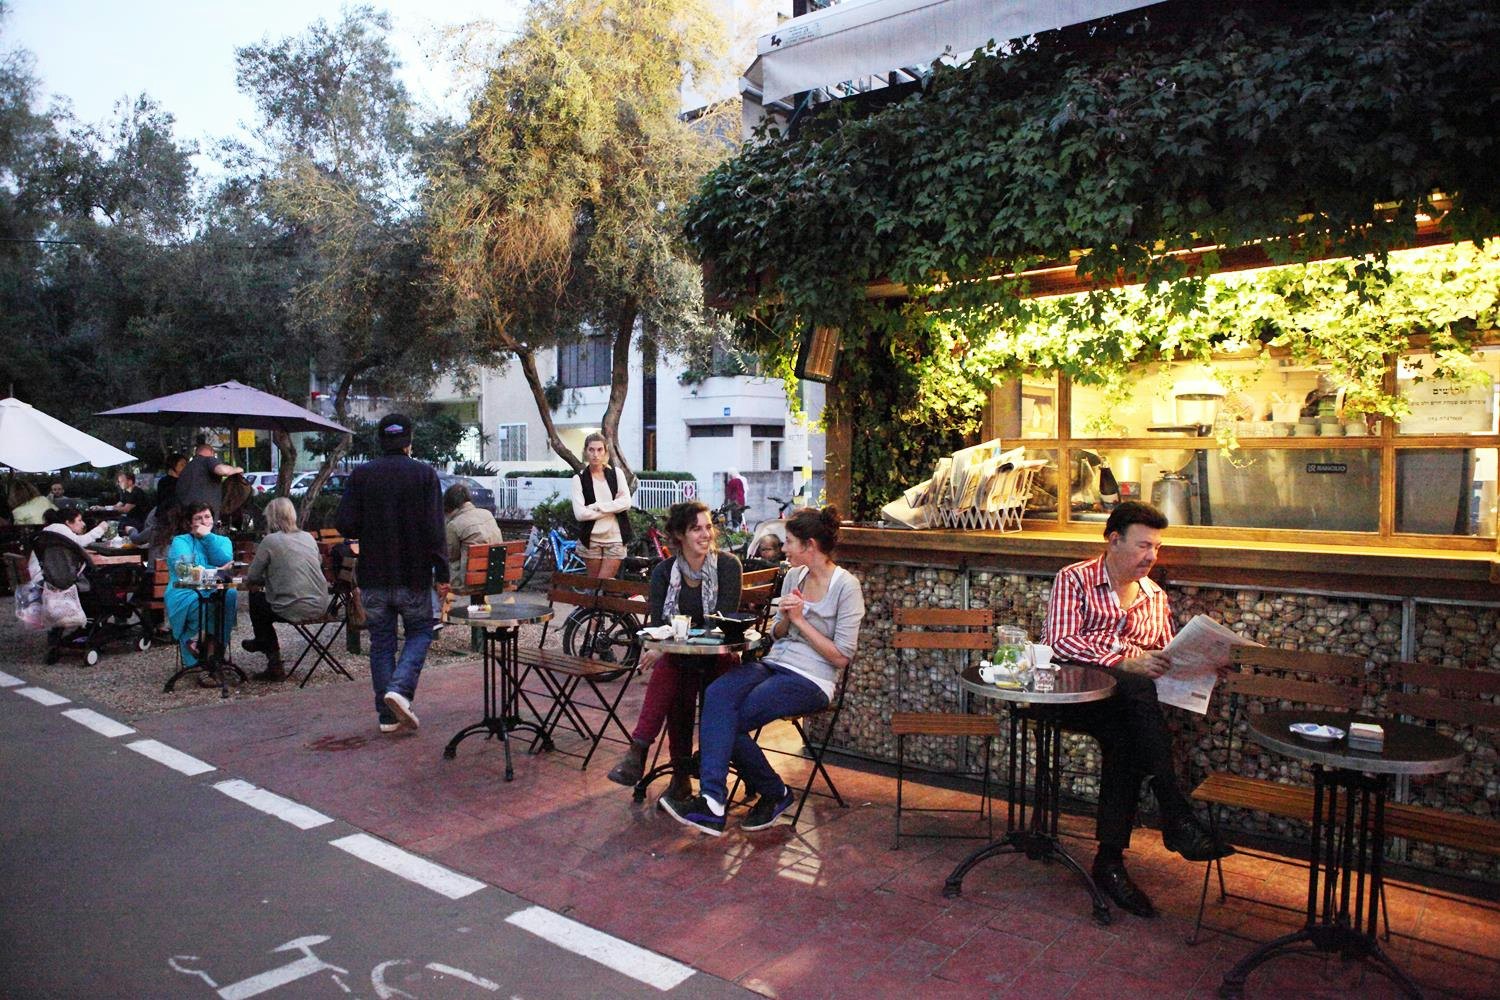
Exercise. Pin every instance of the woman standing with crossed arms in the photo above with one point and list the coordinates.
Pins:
(601, 505)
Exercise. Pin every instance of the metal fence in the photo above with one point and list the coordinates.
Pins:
(521, 495)
(659, 494)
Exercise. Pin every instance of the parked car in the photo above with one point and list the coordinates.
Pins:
(483, 496)
(261, 481)
(333, 487)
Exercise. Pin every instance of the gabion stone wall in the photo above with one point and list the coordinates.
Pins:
(885, 680)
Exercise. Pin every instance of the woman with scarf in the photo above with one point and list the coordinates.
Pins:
(698, 580)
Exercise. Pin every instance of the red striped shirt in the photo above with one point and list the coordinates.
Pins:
(1086, 624)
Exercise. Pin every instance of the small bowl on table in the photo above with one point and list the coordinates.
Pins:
(734, 624)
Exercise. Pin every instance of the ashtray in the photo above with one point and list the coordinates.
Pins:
(1315, 731)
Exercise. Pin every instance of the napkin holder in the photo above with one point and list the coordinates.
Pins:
(1366, 736)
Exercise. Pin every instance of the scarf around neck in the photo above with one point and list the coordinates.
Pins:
(709, 577)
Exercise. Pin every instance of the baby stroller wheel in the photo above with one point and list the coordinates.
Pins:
(91, 656)
(143, 643)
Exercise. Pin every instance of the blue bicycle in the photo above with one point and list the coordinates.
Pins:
(553, 552)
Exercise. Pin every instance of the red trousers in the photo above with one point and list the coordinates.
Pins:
(672, 699)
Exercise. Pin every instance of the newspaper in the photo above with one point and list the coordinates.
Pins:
(1197, 652)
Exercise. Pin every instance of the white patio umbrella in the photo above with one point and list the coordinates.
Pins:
(31, 441)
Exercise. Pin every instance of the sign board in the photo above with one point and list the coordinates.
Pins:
(245, 439)
(689, 490)
(726, 411)
(1438, 406)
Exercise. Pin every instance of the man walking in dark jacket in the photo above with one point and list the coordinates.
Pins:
(394, 506)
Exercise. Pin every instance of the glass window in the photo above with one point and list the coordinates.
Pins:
(512, 442)
(1024, 408)
(584, 363)
(1042, 505)
(1334, 489)
(1446, 491)
(1440, 406)
(711, 431)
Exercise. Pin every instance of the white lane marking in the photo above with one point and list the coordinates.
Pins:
(8, 681)
(175, 759)
(468, 977)
(42, 696)
(622, 956)
(410, 867)
(308, 965)
(101, 724)
(294, 813)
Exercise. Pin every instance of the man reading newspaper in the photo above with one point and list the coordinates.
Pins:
(1107, 613)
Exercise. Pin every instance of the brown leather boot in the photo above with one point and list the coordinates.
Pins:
(681, 786)
(631, 767)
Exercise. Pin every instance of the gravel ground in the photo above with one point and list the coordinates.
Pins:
(130, 682)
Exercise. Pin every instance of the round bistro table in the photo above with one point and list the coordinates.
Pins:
(501, 668)
(695, 655)
(218, 666)
(1347, 857)
(1036, 716)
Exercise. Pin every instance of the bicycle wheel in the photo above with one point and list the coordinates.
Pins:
(540, 559)
(611, 636)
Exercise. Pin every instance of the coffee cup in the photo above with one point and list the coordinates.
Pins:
(1305, 430)
(1355, 428)
(680, 626)
(1330, 428)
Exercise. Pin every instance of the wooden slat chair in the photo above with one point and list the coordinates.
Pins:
(565, 675)
(1463, 702)
(1271, 679)
(490, 569)
(337, 617)
(964, 632)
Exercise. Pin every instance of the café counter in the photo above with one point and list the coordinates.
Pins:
(1433, 605)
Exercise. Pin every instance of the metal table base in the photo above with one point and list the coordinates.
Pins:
(501, 659)
(1034, 836)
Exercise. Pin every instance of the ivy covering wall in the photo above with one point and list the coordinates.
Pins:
(1314, 129)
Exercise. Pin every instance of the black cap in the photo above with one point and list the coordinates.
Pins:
(394, 431)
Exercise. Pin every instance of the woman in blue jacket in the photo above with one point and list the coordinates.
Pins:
(197, 545)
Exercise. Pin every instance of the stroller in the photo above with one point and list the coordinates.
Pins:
(113, 599)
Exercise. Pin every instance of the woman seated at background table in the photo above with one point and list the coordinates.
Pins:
(197, 545)
(27, 505)
(287, 561)
(816, 629)
(699, 578)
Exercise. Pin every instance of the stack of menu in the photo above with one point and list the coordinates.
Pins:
(980, 487)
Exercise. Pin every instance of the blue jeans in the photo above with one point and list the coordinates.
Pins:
(743, 700)
(382, 606)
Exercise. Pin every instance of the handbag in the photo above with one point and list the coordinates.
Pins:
(29, 609)
(62, 608)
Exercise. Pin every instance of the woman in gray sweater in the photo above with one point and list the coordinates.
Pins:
(699, 579)
(816, 629)
(288, 563)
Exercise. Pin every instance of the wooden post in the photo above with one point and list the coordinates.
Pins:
(838, 448)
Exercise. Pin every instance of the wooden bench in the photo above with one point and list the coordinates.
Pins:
(1278, 677)
(964, 632)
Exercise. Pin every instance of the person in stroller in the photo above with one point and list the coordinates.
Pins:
(68, 523)
(105, 594)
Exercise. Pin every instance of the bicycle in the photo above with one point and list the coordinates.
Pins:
(646, 550)
(553, 552)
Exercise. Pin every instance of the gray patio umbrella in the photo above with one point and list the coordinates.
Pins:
(228, 404)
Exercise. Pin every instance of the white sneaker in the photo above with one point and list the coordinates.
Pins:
(401, 706)
(390, 727)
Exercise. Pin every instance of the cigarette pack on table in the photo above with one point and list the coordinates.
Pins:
(1366, 736)
(478, 610)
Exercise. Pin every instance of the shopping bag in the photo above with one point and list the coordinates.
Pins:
(62, 608)
(29, 609)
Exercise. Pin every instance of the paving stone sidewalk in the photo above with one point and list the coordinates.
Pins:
(825, 910)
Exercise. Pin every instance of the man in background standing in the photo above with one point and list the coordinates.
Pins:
(202, 481)
(393, 505)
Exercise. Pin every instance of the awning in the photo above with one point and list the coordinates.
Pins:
(866, 37)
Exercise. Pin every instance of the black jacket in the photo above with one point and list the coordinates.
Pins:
(394, 506)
